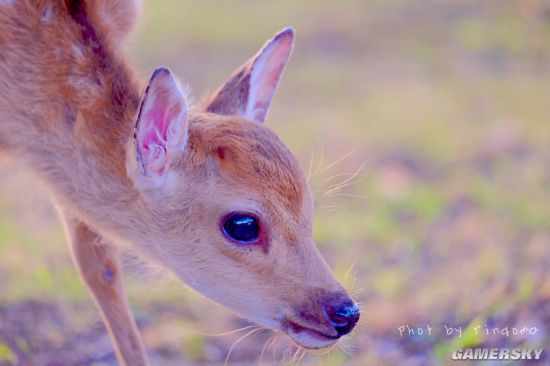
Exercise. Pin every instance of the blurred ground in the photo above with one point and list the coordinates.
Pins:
(442, 110)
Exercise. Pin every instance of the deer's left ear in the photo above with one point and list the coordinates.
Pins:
(249, 91)
(160, 135)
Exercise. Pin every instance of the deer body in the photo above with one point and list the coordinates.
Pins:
(179, 183)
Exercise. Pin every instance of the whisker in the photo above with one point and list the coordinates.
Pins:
(329, 207)
(354, 174)
(346, 182)
(267, 342)
(343, 184)
(346, 346)
(225, 333)
(336, 161)
(310, 165)
(361, 308)
(358, 291)
(237, 342)
(326, 180)
(350, 195)
(332, 191)
(287, 353)
(350, 269)
(295, 356)
(354, 280)
(320, 164)
(337, 188)
(273, 347)
(303, 354)
(335, 208)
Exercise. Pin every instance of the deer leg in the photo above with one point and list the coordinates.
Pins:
(99, 265)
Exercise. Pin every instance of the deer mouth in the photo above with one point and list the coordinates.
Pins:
(309, 338)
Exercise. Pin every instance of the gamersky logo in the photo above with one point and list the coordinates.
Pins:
(497, 354)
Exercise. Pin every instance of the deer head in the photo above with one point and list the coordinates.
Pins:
(227, 206)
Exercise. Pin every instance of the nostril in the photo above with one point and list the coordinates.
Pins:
(343, 317)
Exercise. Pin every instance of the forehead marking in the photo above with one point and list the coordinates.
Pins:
(253, 156)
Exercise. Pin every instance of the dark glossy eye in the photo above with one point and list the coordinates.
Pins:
(241, 227)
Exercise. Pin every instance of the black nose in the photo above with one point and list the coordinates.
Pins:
(343, 316)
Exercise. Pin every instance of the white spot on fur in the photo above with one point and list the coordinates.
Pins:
(78, 52)
(107, 20)
(6, 2)
(47, 14)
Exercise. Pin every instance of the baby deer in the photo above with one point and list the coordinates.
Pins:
(209, 192)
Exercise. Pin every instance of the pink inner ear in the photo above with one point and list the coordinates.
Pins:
(266, 73)
(265, 90)
(162, 123)
(153, 138)
(157, 121)
(157, 126)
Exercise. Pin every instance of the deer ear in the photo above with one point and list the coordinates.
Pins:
(161, 129)
(249, 91)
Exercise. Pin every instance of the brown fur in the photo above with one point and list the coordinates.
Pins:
(68, 110)
(232, 94)
(249, 150)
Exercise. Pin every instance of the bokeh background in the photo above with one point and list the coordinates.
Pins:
(425, 127)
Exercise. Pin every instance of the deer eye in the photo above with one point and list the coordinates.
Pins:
(241, 227)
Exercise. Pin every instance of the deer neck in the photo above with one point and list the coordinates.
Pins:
(95, 181)
(68, 111)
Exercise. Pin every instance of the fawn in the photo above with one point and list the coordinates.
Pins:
(207, 191)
